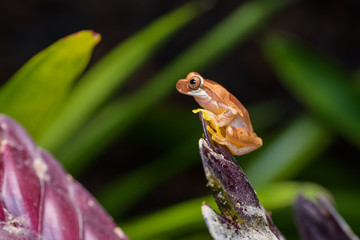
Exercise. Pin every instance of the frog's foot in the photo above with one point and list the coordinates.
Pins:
(217, 136)
(207, 115)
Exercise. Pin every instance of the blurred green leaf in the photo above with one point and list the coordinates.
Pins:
(183, 216)
(320, 84)
(187, 215)
(300, 142)
(346, 202)
(97, 85)
(283, 194)
(41, 85)
(116, 117)
(140, 182)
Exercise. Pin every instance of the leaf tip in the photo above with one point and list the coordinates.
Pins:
(86, 34)
(97, 36)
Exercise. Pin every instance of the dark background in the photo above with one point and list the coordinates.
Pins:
(29, 26)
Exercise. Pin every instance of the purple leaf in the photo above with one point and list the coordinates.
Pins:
(39, 200)
(320, 220)
(243, 217)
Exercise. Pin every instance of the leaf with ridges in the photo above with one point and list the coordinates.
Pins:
(39, 200)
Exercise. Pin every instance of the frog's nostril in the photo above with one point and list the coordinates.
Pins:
(179, 86)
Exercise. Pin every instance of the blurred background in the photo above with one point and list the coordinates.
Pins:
(293, 64)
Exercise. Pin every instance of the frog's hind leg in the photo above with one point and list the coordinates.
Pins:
(238, 140)
(242, 141)
(235, 149)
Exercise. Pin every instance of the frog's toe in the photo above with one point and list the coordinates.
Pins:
(210, 130)
(197, 110)
(206, 114)
(216, 136)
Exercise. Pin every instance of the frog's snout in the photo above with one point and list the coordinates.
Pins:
(181, 86)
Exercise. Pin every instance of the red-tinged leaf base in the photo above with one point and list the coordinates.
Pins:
(39, 200)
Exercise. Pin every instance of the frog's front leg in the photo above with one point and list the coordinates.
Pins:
(208, 116)
(226, 117)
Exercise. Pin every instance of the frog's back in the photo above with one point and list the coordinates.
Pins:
(242, 120)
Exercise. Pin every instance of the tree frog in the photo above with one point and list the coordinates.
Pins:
(229, 120)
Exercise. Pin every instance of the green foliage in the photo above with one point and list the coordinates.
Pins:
(79, 121)
(40, 86)
(110, 122)
(300, 142)
(185, 216)
(98, 84)
(180, 160)
(320, 84)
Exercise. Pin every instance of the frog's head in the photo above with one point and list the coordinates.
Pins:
(191, 85)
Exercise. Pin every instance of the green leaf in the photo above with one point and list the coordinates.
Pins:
(150, 176)
(321, 85)
(347, 199)
(300, 142)
(41, 85)
(283, 194)
(175, 219)
(98, 84)
(116, 117)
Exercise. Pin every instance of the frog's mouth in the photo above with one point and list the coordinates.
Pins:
(180, 90)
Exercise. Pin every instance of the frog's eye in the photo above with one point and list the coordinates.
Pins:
(194, 83)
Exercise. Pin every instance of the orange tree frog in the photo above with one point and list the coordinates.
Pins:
(225, 113)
